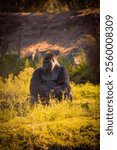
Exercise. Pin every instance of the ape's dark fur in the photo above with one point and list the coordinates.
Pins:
(52, 80)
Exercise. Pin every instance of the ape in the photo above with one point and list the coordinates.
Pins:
(51, 79)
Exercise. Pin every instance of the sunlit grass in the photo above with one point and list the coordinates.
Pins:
(64, 125)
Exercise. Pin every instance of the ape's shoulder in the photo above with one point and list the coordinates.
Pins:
(61, 71)
(61, 68)
(37, 71)
(63, 75)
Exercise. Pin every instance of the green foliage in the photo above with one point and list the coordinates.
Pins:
(81, 73)
(78, 73)
(65, 125)
(12, 63)
(8, 64)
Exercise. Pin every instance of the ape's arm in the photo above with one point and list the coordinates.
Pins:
(35, 83)
(63, 82)
(63, 79)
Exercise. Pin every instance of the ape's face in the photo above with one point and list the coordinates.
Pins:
(48, 65)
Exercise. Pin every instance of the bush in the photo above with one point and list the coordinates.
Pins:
(80, 73)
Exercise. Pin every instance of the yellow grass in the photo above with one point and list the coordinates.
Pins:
(65, 125)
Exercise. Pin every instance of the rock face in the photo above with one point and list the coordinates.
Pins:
(58, 31)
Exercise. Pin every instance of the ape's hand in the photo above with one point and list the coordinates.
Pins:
(58, 90)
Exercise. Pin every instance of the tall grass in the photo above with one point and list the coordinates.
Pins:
(65, 125)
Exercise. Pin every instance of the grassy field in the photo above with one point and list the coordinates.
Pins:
(60, 126)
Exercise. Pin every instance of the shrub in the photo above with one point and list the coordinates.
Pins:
(80, 73)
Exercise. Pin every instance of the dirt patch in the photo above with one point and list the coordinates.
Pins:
(57, 31)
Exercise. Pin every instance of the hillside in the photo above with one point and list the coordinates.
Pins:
(57, 31)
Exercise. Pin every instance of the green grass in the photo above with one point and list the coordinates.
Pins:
(59, 126)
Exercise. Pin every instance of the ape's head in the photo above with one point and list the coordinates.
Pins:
(49, 61)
